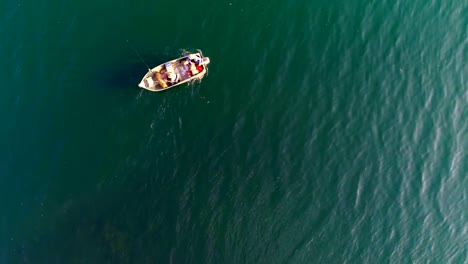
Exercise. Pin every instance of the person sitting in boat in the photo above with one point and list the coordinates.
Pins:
(173, 78)
(198, 63)
(193, 69)
(186, 64)
(196, 60)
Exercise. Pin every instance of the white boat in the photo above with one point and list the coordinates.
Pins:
(175, 72)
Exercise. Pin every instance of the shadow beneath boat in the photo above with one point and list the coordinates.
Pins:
(126, 76)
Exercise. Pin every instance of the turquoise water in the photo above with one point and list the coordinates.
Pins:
(324, 132)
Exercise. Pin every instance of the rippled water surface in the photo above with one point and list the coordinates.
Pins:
(325, 132)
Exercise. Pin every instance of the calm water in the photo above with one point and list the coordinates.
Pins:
(325, 132)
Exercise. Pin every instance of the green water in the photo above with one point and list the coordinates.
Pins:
(324, 132)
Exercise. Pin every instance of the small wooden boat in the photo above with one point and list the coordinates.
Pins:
(175, 72)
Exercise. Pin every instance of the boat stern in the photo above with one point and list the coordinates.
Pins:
(205, 61)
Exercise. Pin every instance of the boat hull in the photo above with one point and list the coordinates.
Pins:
(175, 72)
